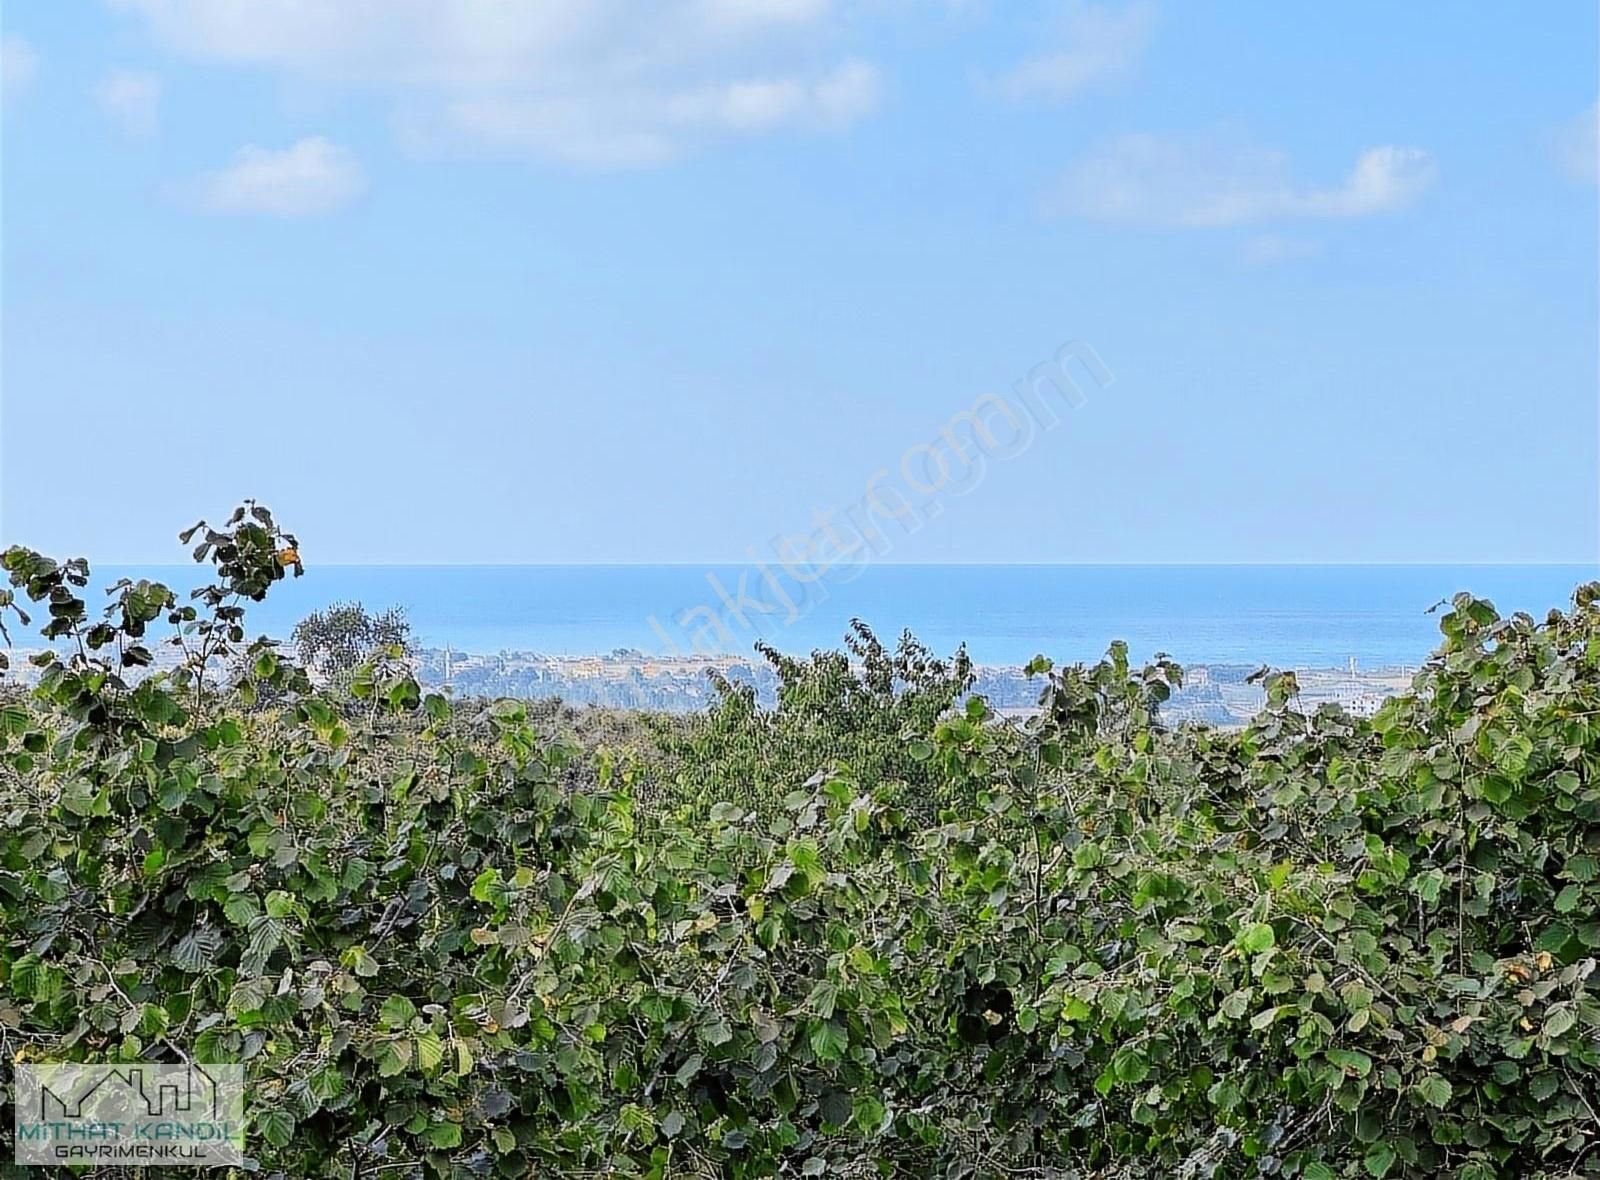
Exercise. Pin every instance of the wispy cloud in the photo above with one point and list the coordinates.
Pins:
(1093, 44)
(1577, 146)
(629, 129)
(1181, 181)
(307, 179)
(591, 82)
(19, 65)
(130, 99)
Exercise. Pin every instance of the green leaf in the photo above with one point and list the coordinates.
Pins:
(1351, 1061)
(1429, 884)
(823, 998)
(241, 908)
(276, 1126)
(358, 960)
(248, 995)
(489, 888)
(869, 1114)
(1257, 937)
(1379, 1159)
(430, 1050)
(197, 949)
(1236, 1004)
(1263, 1018)
(394, 1057)
(1543, 1086)
(765, 1027)
(280, 904)
(326, 1084)
(828, 1040)
(715, 1032)
(445, 1135)
(1558, 1020)
(1129, 1066)
(1435, 1091)
(396, 1011)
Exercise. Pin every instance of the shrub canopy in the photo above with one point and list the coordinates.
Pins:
(875, 931)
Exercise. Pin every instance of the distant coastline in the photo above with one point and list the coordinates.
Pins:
(1354, 634)
(1217, 694)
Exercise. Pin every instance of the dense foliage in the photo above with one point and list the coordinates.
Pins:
(854, 710)
(878, 930)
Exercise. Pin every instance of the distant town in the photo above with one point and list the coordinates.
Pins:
(628, 679)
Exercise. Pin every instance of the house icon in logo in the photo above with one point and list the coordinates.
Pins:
(164, 1091)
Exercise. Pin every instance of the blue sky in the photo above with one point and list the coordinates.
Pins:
(552, 282)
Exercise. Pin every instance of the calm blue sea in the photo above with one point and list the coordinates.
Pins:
(1301, 615)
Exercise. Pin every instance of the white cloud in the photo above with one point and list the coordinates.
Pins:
(307, 179)
(1093, 45)
(1577, 146)
(1184, 181)
(131, 100)
(19, 65)
(638, 129)
(598, 82)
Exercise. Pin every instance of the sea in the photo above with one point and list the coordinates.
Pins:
(1322, 616)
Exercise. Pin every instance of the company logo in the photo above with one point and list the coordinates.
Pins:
(139, 1113)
